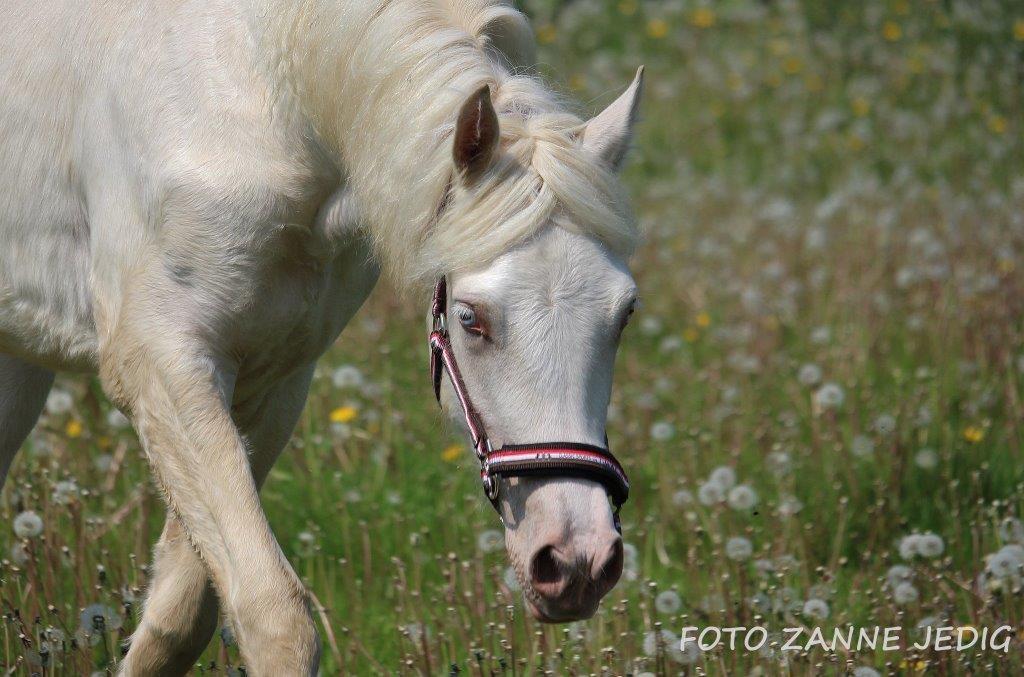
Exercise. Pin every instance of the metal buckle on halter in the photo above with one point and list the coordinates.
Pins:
(441, 324)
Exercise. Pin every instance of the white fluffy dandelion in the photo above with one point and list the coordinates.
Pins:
(908, 546)
(710, 493)
(904, 594)
(829, 396)
(723, 476)
(862, 446)
(662, 431)
(668, 602)
(930, 546)
(816, 608)
(885, 425)
(347, 376)
(59, 402)
(742, 497)
(809, 375)
(28, 525)
(926, 459)
(738, 548)
(489, 540)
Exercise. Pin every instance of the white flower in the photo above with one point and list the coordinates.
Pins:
(64, 492)
(742, 497)
(930, 546)
(1011, 530)
(809, 374)
(59, 402)
(723, 476)
(908, 546)
(511, 580)
(117, 420)
(865, 671)
(347, 376)
(489, 540)
(904, 593)
(97, 618)
(662, 431)
(780, 463)
(710, 493)
(28, 525)
(829, 396)
(789, 506)
(898, 573)
(668, 602)
(816, 608)
(862, 446)
(821, 335)
(885, 425)
(926, 459)
(651, 641)
(682, 497)
(1007, 562)
(650, 325)
(738, 548)
(19, 554)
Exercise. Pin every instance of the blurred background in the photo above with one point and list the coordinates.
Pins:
(819, 403)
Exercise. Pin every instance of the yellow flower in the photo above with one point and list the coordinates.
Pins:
(1018, 30)
(73, 428)
(577, 82)
(452, 453)
(546, 34)
(627, 7)
(856, 143)
(703, 320)
(891, 31)
(343, 414)
(690, 335)
(657, 28)
(974, 434)
(902, 7)
(997, 123)
(104, 442)
(792, 65)
(703, 17)
(860, 106)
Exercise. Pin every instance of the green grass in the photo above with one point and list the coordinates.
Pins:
(803, 169)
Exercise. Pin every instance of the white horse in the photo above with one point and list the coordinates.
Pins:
(196, 197)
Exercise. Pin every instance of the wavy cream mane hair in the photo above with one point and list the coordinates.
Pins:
(414, 66)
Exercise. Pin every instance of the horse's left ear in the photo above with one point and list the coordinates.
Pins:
(476, 134)
(608, 134)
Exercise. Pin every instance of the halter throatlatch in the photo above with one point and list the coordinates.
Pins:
(541, 459)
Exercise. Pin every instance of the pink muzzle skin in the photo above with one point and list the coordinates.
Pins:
(540, 459)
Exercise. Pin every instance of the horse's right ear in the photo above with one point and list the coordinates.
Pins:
(476, 134)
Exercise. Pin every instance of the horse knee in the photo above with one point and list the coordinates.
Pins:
(279, 636)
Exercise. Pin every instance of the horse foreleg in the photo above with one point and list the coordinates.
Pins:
(177, 396)
(23, 390)
(181, 607)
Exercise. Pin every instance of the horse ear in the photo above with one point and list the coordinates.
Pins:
(476, 133)
(608, 134)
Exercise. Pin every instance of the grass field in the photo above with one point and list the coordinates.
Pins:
(819, 403)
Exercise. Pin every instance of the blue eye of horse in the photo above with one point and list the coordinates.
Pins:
(467, 317)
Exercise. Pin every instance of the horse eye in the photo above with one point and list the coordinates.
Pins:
(468, 320)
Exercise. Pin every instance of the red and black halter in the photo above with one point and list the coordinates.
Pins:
(552, 459)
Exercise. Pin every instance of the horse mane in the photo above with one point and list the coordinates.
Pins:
(414, 65)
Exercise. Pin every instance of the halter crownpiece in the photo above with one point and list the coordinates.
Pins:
(541, 459)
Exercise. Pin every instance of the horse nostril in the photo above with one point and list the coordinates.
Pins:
(546, 573)
(607, 570)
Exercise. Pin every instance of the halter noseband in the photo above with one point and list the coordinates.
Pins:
(552, 459)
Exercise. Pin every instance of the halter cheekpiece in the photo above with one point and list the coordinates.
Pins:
(545, 459)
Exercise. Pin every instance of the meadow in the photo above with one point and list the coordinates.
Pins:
(819, 401)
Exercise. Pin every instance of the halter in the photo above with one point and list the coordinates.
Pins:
(544, 459)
